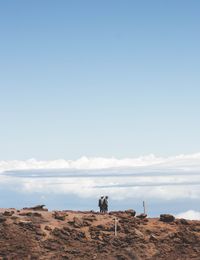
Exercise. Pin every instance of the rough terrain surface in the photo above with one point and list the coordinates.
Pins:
(34, 233)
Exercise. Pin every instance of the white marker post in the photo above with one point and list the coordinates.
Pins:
(144, 206)
(116, 220)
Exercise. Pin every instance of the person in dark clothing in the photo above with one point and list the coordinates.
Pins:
(101, 203)
(105, 205)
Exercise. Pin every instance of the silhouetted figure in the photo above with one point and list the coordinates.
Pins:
(101, 203)
(105, 204)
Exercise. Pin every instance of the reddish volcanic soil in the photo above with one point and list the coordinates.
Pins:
(38, 234)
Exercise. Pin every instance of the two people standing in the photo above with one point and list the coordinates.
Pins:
(103, 204)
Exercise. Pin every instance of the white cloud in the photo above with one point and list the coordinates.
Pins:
(118, 187)
(190, 214)
(153, 177)
(150, 162)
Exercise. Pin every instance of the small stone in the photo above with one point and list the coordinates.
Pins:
(48, 228)
(153, 238)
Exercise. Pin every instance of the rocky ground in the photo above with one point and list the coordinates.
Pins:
(34, 233)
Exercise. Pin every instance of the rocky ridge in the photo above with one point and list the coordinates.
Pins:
(36, 233)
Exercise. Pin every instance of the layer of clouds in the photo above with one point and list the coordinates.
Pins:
(190, 214)
(150, 162)
(151, 177)
(165, 188)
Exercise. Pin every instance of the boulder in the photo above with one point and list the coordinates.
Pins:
(141, 216)
(167, 218)
(37, 207)
(60, 215)
(131, 212)
(77, 222)
(184, 221)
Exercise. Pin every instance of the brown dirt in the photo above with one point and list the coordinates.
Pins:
(31, 234)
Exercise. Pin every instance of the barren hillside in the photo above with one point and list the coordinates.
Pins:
(39, 234)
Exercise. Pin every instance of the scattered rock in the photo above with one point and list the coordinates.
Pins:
(39, 232)
(116, 212)
(37, 208)
(138, 234)
(145, 221)
(132, 254)
(184, 221)
(38, 235)
(8, 213)
(60, 215)
(2, 219)
(141, 216)
(14, 218)
(87, 223)
(74, 252)
(90, 218)
(167, 218)
(121, 257)
(131, 212)
(153, 238)
(27, 225)
(31, 214)
(48, 228)
(77, 223)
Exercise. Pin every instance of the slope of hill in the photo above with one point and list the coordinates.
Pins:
(34, 233)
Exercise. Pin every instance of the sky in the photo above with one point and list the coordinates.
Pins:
(99, 78)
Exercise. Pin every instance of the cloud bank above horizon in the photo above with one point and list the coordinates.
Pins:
(190, 214)
(190, 162)
(161, 181)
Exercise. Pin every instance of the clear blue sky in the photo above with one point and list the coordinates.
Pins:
(99, 78)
